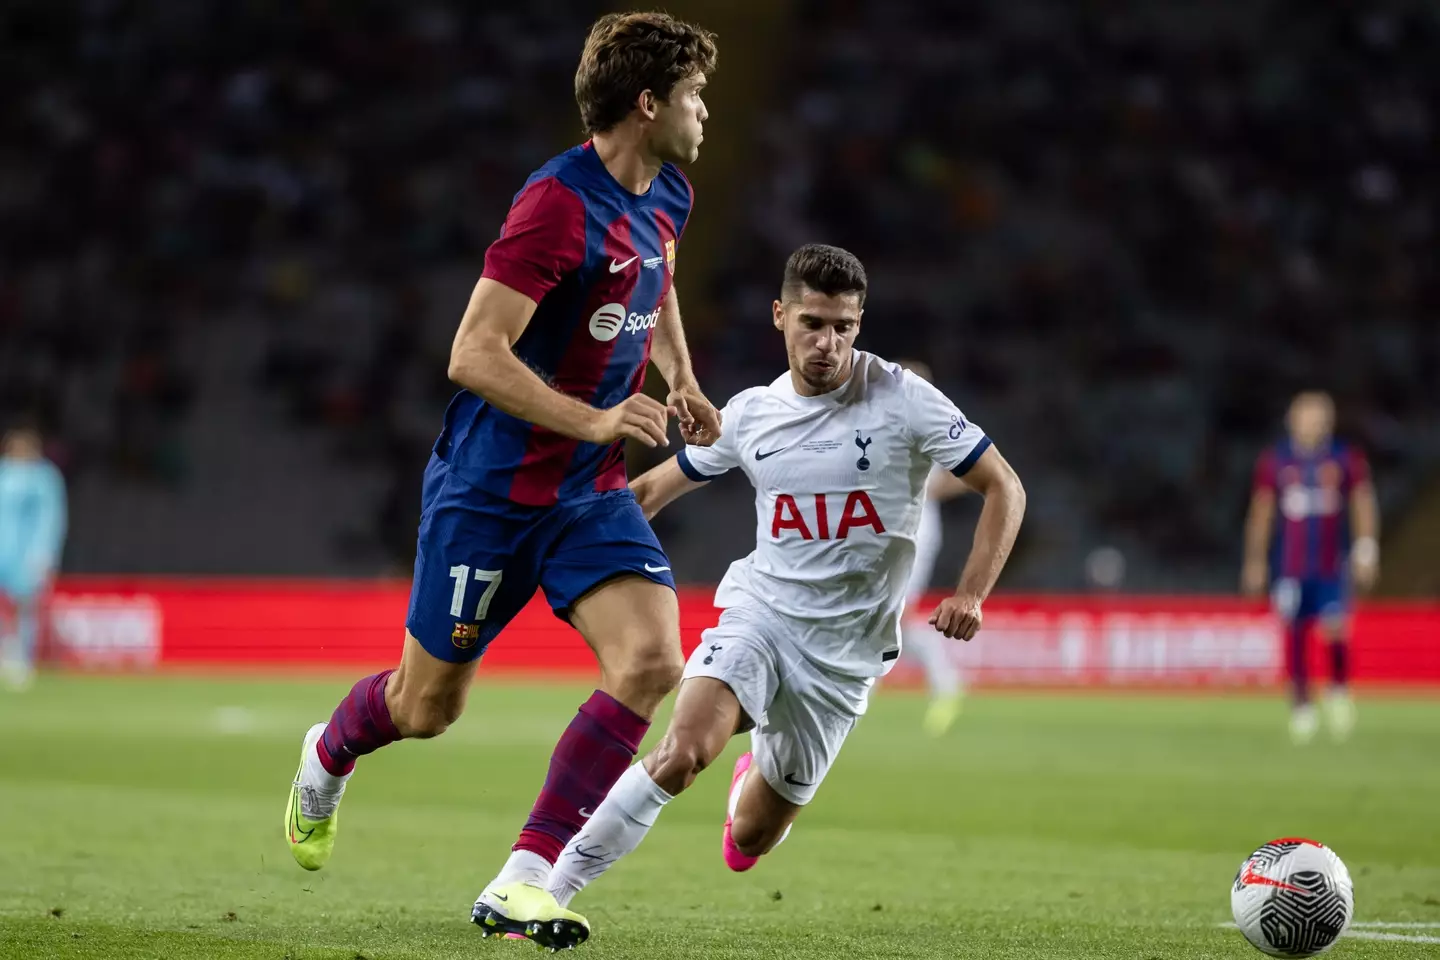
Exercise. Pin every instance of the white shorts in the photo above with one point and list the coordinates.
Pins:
(801, 712)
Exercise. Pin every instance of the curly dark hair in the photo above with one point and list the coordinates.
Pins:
(627, 53)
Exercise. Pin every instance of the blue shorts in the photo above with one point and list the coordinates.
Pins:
(1309, 599)
(480, 558)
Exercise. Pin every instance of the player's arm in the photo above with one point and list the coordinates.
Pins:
(482, 361)
(542, 243)
(691, 468)
(1259, 522)
(995, 480)
(1365, 522)
(662, 485)
(699, 421)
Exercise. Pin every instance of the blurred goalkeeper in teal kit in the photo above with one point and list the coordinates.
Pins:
(32, 534)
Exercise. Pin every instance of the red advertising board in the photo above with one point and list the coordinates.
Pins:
(1036, 640)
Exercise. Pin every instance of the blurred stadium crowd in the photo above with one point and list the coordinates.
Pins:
(1122, 233)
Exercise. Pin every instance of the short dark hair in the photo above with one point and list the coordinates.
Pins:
(825, 269)
(627, 53)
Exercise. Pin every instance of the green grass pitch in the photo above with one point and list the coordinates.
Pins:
(141, 818)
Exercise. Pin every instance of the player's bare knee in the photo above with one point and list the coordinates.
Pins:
(425, 716)
(676, 761)
(651, 672)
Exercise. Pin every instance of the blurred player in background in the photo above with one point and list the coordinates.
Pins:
(526, 487)
(1310, 535)
(32, 537)
(927, 646)
(839, 449)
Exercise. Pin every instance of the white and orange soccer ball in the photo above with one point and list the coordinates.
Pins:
(1292, 898)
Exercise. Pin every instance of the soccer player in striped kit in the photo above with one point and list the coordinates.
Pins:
(1310, 537)
(526, 486)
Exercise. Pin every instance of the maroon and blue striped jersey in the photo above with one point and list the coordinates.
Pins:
(1311, 538)
(599, 261)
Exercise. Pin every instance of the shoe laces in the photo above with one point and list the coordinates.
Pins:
(318, 803)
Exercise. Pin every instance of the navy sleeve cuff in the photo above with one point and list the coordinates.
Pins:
(963, 467)
(688, 468)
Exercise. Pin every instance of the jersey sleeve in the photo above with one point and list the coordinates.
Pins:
(1265, 473)
(939, 429)
(689, 194)
(706, 463)
(1357, 468)
(543, 239)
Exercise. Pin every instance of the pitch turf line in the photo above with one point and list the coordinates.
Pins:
(1390, 937)
(1371, 931)
(1394, 925)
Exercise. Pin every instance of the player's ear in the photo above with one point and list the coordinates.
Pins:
(778, 309)
(646, 104)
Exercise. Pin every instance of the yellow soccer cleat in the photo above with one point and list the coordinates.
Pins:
(533, 913)
(941, 714)
(312, 813)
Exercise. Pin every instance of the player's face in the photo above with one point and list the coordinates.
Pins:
(1311, 419)
(679, 122)
(820, 331)
(22, 445)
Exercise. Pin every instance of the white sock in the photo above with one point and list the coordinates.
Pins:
(524, 866)
(618, 825)
(320, 789)
(314, 774)
(929, 647)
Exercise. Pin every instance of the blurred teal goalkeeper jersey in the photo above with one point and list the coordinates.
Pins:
(32, 524)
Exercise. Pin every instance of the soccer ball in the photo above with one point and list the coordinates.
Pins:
(1292, 898)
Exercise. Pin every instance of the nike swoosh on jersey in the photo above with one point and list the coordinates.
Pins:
(616, 267)
(650, 569)
(763, 456)
(790, 779)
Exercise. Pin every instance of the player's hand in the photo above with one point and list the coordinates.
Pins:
(1253, 577)
(637, 418)
(957, 617)
(1365, 572)
(699, 420)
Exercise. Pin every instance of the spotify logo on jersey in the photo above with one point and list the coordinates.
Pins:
(606, 323)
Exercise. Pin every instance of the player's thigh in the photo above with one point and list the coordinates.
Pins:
(798, 741)
(1286, 596)
(707, 714)
(474, 572)
(605, 573)
(739, 653)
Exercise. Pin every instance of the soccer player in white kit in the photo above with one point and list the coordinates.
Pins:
(839, 450)
(942, 676)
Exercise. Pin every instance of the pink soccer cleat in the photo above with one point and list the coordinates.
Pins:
(734, 859)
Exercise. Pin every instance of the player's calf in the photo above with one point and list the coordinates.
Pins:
(757, 818)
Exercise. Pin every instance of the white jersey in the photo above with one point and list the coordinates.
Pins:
(839, 489)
